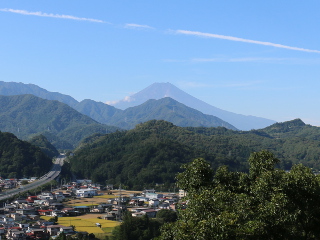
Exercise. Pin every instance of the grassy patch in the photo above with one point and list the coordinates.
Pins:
(84, 204)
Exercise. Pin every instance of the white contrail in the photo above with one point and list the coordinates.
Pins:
(41, 14)
(210, 35)
(134, 25)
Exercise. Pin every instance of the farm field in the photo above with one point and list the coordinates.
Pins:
(87, 223)
(96, 200)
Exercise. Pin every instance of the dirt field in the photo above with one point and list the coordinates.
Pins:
(96, 200)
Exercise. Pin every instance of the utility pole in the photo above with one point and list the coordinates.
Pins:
(119, 204)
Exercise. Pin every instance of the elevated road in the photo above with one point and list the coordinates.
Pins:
(52, 174)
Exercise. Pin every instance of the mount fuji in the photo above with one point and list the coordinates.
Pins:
(161, 90)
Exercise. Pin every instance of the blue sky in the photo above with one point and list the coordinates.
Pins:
(258, 58)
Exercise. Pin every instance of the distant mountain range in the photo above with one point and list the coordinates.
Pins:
(161, 90)
(28, 115)
(165, 109)
(14, 88)
(151, 103)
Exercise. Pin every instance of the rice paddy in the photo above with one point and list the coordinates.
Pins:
(87, 223)
(104, 196)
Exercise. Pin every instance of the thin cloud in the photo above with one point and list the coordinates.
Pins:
(134, 25)
(125, 99)
(249, 59)
(41, 14)
(112, 102)
(210, 35)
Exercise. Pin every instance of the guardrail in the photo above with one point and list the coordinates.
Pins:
(49, 176)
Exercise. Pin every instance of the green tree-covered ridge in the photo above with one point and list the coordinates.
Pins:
(45, 146)
(154, 151)
(21, 159)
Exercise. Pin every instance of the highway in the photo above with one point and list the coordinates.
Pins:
(49, 176)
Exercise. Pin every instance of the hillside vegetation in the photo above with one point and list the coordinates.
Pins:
(154, 151)
(21, 159)
(64, 127)
(45, 146)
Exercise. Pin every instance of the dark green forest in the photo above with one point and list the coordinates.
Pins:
(45, 146)
(21, 159)
(153, 152)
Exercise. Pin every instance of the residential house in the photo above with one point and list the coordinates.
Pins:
(53, 229)
(182, 193)
(88, 192)
(151, 213)
(15, 234)
(153, 195)
(138, 214)
(66, 230)
(154, 202)
(17, 216)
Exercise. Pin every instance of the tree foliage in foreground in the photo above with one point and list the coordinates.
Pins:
(266, 203)
(136, 228)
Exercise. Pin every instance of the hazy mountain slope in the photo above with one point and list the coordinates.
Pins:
(106, 114)
(161, 90)
(95, 110)
(166, 109)
(98, 111)
(14, 88)
(102, 112)
(27, 115)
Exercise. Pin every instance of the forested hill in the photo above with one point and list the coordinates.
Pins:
(294, 128)
(154, 151)
(21, 159)
(291, 141)
(28, 115)
(166, 109)
(45, 146)
(151, 153)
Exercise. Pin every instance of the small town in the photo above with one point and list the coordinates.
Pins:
(37, 216)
